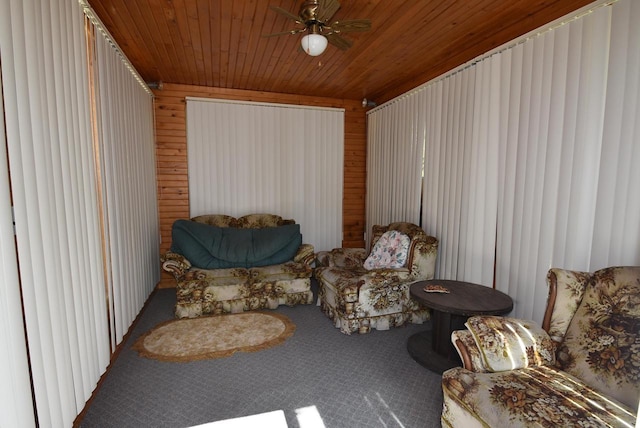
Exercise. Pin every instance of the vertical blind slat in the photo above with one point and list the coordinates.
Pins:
(15, 393)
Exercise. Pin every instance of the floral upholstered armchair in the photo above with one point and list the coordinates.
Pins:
(360, 291)
(581, 369)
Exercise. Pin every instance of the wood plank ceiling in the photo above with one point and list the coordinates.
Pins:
(219, 43)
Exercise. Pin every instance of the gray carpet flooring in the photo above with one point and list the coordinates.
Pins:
(346, 381)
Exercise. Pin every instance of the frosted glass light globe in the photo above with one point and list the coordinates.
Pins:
(314, 44)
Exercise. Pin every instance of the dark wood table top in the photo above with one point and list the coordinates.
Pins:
(464, 298)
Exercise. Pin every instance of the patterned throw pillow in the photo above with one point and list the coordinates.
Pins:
(510, 343)
(390, 251)
(602, 343)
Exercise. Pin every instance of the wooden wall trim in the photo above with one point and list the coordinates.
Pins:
(171, 154)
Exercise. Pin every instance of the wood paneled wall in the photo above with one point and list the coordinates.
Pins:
(171, 155)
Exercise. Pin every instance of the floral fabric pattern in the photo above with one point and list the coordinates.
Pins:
(357, 299)
(471, 350)
(257, 221)
(570, 286)
(596, 379)
(509, 343)
(390, 251)
(341, 257)
(602, 344)
(218, 220)
(538, 396)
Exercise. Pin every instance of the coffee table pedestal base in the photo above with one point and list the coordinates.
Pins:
(420, 348)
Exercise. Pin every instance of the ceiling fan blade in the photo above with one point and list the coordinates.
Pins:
(282, 33)
(351, 25)
(338, 41)
(286, 13)
(326, 9)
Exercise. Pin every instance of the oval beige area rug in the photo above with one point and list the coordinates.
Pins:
(214, 336)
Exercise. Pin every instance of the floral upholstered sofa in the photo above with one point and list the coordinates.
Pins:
(581, 369)
(224, 264)
(360, 291)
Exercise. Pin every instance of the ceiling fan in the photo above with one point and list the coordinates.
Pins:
(314, 16)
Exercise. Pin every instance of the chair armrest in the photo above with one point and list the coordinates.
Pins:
(305, 255)
(342, 257)
(175, 264)
(376, 278)
(566, 289)
(423, 260)
(468, 351)
(510, 343)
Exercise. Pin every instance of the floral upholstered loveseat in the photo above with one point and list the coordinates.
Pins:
(360, 291)
(224, 264)
(581, 369)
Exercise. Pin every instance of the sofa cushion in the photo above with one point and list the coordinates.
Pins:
(222, 276)
(257, 221)
(509, 343)
(211, 247)
(220, 220)
(389, 252)
(602, 343)
(279, 272)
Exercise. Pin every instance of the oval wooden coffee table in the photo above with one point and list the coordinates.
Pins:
(433, 349)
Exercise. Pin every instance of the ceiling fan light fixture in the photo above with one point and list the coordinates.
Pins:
(314, 44)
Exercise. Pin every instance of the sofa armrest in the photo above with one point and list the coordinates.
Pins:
(305, 255)
(175, 264)
(342, 257)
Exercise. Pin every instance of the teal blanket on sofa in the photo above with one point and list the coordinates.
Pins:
(211, 247)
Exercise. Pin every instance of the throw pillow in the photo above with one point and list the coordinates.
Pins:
(390, 252)
(510, 343)
(602, 343)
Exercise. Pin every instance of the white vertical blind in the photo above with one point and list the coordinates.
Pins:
(444, 124)
(15, 391)
(460, 179)
(127, 154)
(268, 158)
(44, 73)
(616, 233)
(447, 124)
(551, 145)
(535, 145)
(395, 145)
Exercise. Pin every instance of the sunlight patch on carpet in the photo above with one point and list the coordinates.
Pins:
(214, 336)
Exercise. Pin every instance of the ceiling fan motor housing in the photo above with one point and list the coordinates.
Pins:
(309, 11)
